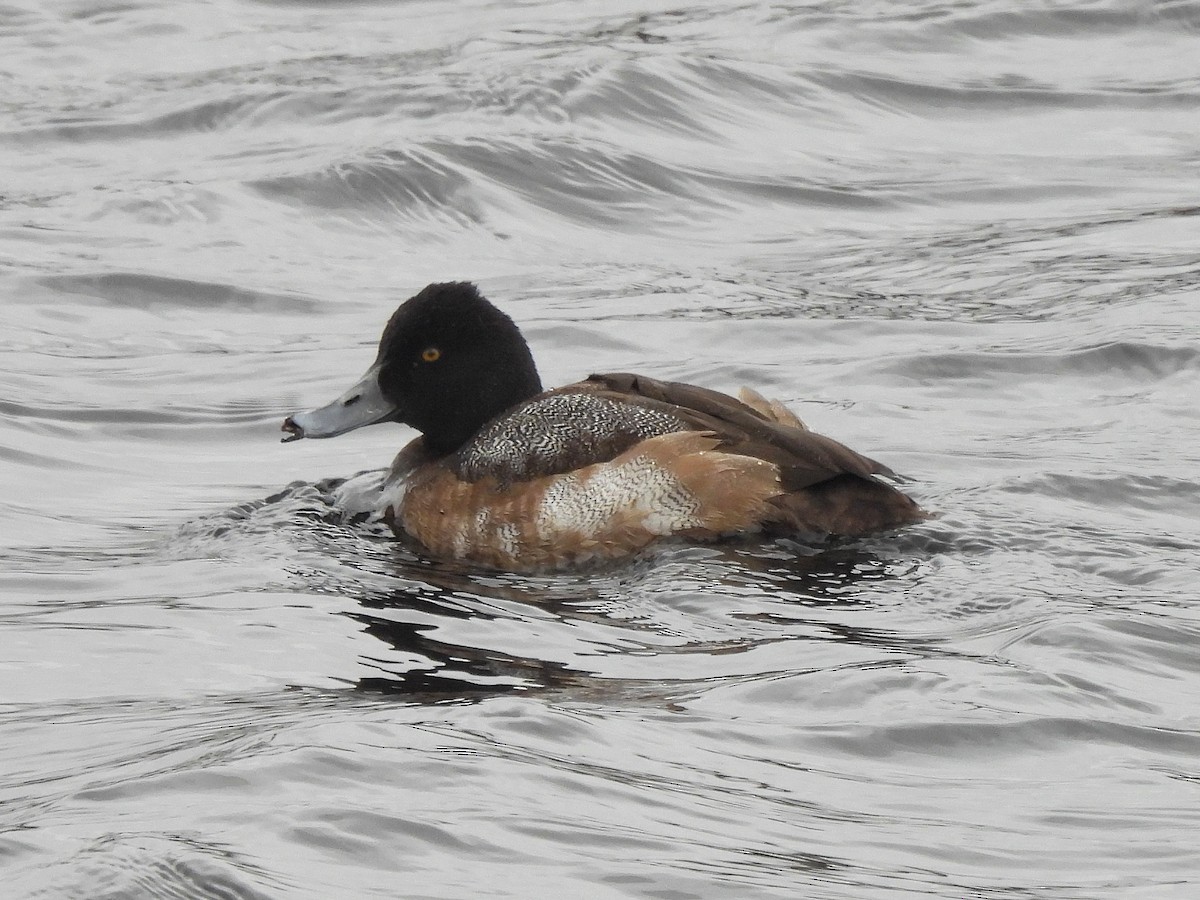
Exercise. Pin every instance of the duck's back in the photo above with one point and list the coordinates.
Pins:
(561, 431)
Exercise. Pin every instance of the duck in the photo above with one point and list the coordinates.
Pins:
(510, 476)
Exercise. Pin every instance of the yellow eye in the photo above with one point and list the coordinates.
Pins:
(431, 354)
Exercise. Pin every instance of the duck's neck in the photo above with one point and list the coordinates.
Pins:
(458, 416)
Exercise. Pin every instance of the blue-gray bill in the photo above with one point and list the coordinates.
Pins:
(363, 404)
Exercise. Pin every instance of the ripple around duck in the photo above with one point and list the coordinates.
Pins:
(931, 98)
(1076, 23)
(412, 183)
(148, 865)
(117, 761)
(203, 115)
(1119, 361)
(633, 92)
(450, 631)
(143, 291)
(999, 95)
(966, 740)
(1159, 494)
(587, 183)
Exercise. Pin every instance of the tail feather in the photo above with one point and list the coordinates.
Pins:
(846, 505)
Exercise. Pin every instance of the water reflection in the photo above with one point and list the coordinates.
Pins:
(452, 632)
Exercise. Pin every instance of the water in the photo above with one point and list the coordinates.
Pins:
(961, 237)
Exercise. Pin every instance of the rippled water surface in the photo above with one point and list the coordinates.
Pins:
(961, 237)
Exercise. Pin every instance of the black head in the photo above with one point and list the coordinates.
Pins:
(449, 361)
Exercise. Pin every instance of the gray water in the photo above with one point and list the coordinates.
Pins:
(960, 237)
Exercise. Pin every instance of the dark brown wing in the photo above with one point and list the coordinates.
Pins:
(804, 457)
(828, 487)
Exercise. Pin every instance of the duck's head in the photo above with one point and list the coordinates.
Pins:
(448, 362)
